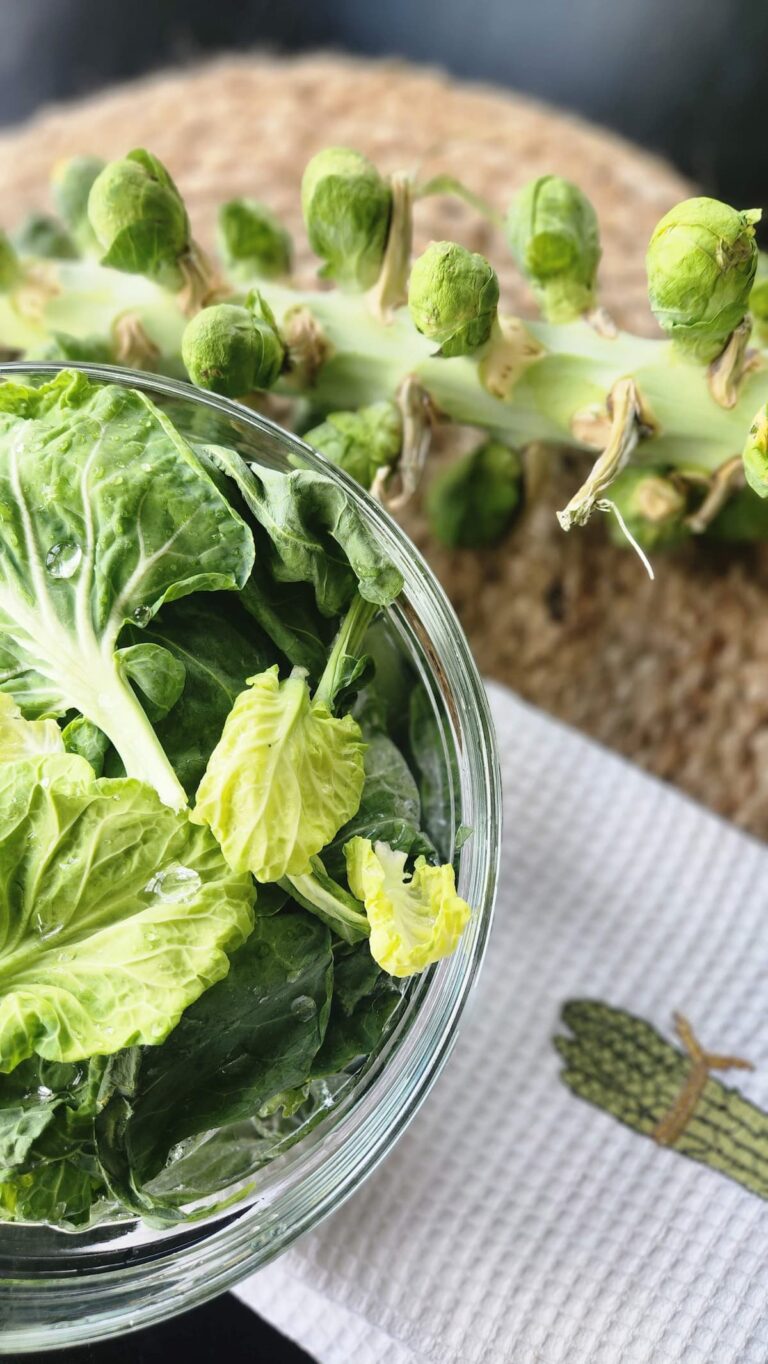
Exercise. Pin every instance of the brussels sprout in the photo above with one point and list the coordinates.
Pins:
(9, 265)
(553, 232)
(701, 263)
(229, 349)
(360, 442)
(743, 519)
(651, 506)
(347, 207)
(139, 218)
(72, 181)
(44, 236)
(453, 296)
(474, 502)
(758, 299)
(252, 242)
(755, 453)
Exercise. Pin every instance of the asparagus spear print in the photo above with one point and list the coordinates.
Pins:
(623, 1065)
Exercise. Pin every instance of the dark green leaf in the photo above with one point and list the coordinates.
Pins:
(83, 737)
(364, 1000)
(390, 809)
(431, 744)
(250, 1036)
(218, 648)
(315, 532)
(286, 612)
(50, 1172)
(158, 673)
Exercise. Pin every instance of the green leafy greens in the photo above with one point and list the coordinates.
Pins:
(105, 513)
(199, 732)
(115, 912)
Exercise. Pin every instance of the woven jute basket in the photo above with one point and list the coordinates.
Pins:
(672, 673)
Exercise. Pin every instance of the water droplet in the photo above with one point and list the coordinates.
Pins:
(304, 1007)
(174, 883)
(43, 1093)
(142, 615)
(63, 559)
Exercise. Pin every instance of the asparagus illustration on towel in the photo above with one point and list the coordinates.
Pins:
(623, 1065)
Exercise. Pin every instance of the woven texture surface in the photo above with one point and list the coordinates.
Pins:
(513, 1222)
(674, 674)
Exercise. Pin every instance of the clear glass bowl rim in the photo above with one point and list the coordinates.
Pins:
(111, 1291)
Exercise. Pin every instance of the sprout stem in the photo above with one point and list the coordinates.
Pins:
(348, 643)
(448, 184)
(341, 357)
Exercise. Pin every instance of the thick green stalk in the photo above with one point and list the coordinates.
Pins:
(553, 400)
(576, 373)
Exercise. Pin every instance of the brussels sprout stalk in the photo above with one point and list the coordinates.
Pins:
(451, 356)
(355, 361)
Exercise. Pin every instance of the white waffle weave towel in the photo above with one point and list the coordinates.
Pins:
(514, 1222)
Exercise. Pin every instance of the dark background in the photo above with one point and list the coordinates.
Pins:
(223, 1331)
(683, 77)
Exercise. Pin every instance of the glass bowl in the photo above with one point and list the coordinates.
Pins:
(59, 1288)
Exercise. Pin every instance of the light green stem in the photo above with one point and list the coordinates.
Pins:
(120, 715)
(347, 644)
(369, 361)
